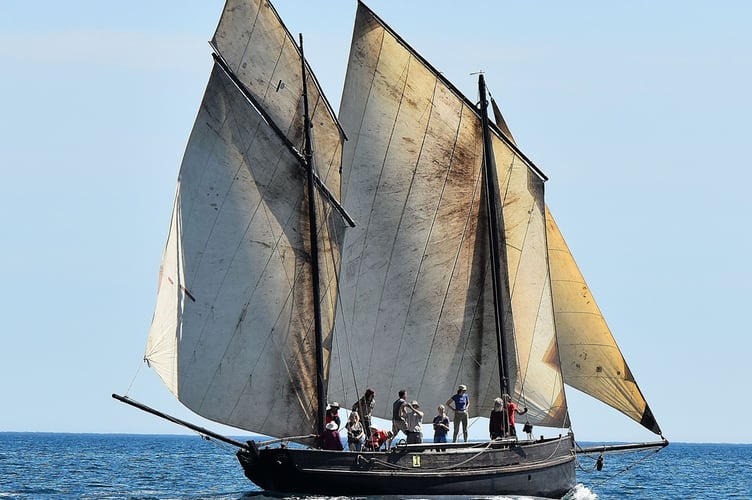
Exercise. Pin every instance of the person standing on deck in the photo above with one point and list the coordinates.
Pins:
(511, 409)
(496, 421)
(461, 406)
(364, 407)
(440, 427)
(414, 423)
(399, 423)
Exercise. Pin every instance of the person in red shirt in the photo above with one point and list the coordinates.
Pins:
(511, 410)
(378, 438)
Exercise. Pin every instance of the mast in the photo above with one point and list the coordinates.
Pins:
(313, 234)
(489, 166)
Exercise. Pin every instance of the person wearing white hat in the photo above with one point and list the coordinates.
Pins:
(330, 439)
(461, 406)
(332, 414)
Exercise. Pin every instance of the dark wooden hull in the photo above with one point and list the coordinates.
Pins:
(543, 468)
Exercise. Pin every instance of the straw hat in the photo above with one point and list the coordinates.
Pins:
(462, 387)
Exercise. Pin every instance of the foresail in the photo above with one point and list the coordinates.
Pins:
(590, 359)
(416, 287)
(233, 334)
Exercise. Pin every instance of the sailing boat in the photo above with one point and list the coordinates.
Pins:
(404, 244)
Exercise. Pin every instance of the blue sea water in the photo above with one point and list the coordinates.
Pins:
(106, 466)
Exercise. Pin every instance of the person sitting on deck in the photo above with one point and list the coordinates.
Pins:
(330, 439)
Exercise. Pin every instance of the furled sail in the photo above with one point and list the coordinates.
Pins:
(590, 359)
(233, 331)
(416, 288)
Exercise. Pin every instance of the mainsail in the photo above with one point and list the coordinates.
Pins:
(232, 335)
(415, 283)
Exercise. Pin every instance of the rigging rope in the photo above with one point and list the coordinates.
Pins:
(133, 381)
(648, 454)
(343, 323)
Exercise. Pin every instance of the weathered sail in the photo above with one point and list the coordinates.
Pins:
(416, 285)
(259, 50)
(590, 359)
(234, 315)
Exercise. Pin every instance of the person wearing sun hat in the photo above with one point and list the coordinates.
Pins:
(330, 439)
(461, 406)
(332, 414)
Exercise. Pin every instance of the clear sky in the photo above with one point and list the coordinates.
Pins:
(639, 113)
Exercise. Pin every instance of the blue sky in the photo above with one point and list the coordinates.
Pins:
(638, 112)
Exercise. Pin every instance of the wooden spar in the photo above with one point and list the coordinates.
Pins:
(489, 166)
(313, 234)
(606, 448)
(325, 192)
(200, 430)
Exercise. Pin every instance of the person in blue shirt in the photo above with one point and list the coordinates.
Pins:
(461, 406)
(440, 427)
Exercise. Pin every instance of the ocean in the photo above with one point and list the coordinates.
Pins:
(140, 467)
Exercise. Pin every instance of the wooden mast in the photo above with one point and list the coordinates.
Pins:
(313, 234)
(499, 283)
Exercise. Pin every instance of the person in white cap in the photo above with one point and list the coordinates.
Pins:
(461, 406)
(330, 439)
